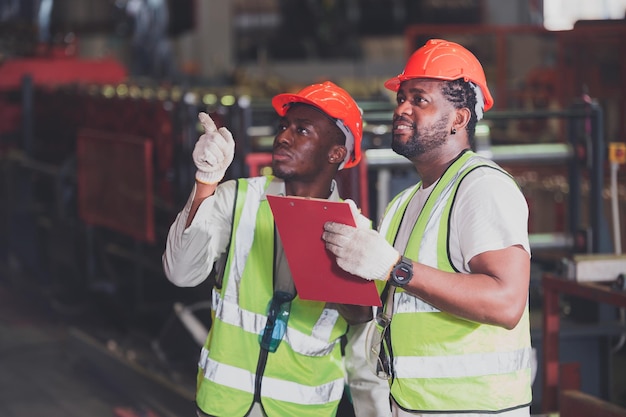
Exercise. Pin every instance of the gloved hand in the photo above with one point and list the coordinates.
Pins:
(359, 251)
(214, 151)
(361, 221)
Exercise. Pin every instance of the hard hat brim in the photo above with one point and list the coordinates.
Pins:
(281, 103)
(394, 83)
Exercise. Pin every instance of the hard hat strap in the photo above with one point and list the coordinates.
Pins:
(480, 100)
(349, 141)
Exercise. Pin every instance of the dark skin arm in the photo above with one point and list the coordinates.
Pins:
(203, 191)
(494, 293)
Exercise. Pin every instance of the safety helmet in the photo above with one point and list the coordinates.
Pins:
(338, 105)
(444, 60)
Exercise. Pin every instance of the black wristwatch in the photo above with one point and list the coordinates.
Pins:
(402, 272)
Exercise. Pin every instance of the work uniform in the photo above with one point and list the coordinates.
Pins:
(443, 363)
(305, 376)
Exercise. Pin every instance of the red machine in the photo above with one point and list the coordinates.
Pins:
(51, 70)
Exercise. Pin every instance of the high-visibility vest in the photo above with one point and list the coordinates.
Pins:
(443, 362)
(305, 376)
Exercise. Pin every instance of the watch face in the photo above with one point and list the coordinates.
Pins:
(402, 273)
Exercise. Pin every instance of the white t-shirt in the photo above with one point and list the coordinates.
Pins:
(489, 213)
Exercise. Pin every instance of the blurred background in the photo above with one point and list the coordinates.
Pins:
(98, 118)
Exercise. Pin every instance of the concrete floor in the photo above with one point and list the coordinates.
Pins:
(38, 375)
(54, 369)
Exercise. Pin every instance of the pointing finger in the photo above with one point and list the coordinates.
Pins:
(207, 122)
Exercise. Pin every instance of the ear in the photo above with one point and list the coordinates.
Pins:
(462, 118)
(337, 154)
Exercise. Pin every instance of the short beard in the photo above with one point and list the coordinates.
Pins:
(423, 140)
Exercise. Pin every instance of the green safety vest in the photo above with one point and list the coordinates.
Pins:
(443, 362)
(305, 376)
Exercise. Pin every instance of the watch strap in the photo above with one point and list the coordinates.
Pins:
(402, 272)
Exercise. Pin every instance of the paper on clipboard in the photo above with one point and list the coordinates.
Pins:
(316, 275)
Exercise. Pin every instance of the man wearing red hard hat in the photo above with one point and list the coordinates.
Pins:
(268, 352)
(451, 256)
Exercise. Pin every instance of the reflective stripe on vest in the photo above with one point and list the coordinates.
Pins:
(443, 362)
(240, 379)
(461, 366)
(311, 345)
(305, 375)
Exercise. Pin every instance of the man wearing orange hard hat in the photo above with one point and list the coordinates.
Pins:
(268, 352)
(451, 256)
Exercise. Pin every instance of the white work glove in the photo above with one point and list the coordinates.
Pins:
(360, 220)
(359, 251)
(214, 151)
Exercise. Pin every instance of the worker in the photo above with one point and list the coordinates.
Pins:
(451, 255)
(268, 352)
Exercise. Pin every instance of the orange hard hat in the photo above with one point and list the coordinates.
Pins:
(444, 60)
(337, 104)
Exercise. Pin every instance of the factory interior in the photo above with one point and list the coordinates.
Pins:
(98, 119)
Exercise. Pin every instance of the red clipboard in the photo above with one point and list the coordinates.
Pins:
(316, 275)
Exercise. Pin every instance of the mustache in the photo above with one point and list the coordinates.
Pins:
(404, 120)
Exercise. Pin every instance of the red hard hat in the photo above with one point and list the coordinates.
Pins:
(443, 60)
(336, 103)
